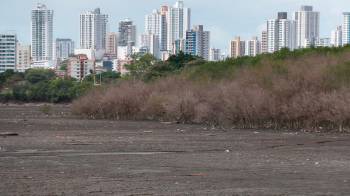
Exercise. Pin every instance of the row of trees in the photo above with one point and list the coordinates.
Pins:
(42, 85)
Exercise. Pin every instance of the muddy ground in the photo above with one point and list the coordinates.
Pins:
(59, 154)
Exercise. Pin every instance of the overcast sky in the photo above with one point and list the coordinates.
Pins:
(224, 18)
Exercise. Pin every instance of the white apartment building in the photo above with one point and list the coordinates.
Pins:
(8, 47)
(281, 33)
(308, 26)
(346, 29)
(80, 66)
(41, 34)
(93, 29)
(336, 37)
(215, 54)
(253, 47)
(23, 57)
(179, 22)
(287, 34)
(264, 42)
(272, 35)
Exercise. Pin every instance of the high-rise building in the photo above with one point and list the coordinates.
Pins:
(41, 33)
(8, 45)
(163, 37)
(281, 33)
(264, 42)
(23, 57)
(215, 54)
(237, 48)
(150, 42)
(93, 29)
(111, 45)
(64, 48)
(253, 47)
(198, 42)
(336, 37)
(178, 21)
(127, 33)
(153, 23)
(308, 26)
(287, 34)
(346, 29)
(272, 35)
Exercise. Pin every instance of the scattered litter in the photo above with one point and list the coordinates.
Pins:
(227, 151)
(256, 132)
(168, 123)
(7, 134)
(198, 174)
(317, 163)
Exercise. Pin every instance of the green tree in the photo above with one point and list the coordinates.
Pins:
(39, 75)
(140, 66)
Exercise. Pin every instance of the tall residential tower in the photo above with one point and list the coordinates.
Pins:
(41, 33)
(308, 26)
(93, 29)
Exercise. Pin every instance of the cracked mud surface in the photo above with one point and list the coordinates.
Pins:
(64, 155)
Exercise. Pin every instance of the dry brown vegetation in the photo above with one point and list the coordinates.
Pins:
(308, 91)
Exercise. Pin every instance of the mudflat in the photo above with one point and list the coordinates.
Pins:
(47, 151)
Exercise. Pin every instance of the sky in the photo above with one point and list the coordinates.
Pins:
(224, 18)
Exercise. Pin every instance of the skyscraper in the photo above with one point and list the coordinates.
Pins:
(308, 26)
(127, 33)
(237, 48)
(253, 47)
(264, 42)
(346, 28)
(93, 29)
(64, 48)
(8, 47)
(281, 33)
(150, 42)
(163, 37)
(287, 34)
(198, 42)
(336, 37)
(153, 23)
(112, 45)
(41, 33)
(272, 35)
(178, 21)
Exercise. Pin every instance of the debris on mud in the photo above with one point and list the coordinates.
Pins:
(8, 134)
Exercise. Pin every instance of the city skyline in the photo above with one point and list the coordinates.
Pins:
(241, 23)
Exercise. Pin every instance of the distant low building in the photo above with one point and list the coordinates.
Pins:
(80, 66)
(215, 54)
